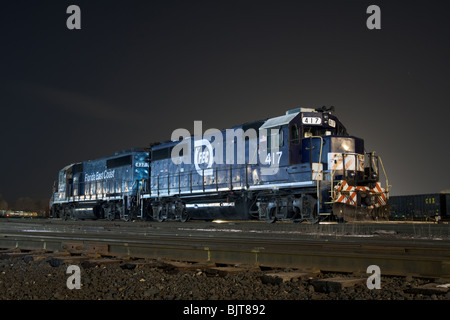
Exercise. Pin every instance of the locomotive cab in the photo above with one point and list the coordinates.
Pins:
(321, 169)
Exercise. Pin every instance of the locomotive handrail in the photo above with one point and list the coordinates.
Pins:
(385, 175)
(228, 178)
(186, 180)
(95, 190)
(318, 173)
(343, 169)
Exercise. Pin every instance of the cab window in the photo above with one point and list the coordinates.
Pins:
(274, 136)
(294, 134)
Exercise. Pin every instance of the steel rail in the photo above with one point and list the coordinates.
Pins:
(394, 258)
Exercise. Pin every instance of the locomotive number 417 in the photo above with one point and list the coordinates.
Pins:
(274, 157)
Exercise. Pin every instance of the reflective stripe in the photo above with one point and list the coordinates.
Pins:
(348, 195)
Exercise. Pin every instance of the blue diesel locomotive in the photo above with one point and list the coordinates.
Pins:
(301, 166)
(104, 188)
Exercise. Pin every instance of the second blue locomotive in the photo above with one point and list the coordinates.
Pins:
(104, 188)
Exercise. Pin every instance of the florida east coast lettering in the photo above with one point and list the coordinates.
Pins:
(95, 176)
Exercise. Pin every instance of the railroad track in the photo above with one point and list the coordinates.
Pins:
(422, 258)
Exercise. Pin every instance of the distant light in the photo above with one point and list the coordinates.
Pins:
(219, 221)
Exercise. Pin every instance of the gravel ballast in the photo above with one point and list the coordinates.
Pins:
(28, 278)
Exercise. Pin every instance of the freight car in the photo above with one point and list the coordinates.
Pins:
(434, 207)
(299, 166)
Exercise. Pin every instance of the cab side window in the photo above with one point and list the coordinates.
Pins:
(273, 136)
(294, 134)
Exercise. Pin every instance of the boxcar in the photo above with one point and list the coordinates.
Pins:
(433, 206)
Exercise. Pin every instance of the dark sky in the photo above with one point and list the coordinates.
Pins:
(137, 70)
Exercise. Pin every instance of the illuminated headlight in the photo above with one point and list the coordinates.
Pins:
(346, 147)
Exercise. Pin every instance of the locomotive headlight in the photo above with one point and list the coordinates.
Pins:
(346, 147)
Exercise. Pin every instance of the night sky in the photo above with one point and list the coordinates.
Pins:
(137, 70)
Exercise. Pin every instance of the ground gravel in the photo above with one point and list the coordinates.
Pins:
(24, 278)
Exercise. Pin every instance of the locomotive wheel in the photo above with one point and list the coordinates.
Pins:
(314, 218)
(67, 213)
(160, 214)
(126, 217)
(160, 217)
(55, 212)
(184, 216)
(110, 214)
(309, 209)
(148, 211)
(271, 216)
